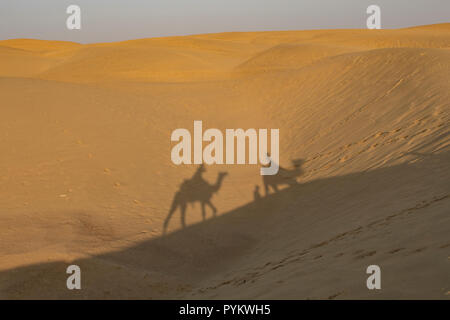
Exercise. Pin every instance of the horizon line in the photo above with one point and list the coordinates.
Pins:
(229, 32)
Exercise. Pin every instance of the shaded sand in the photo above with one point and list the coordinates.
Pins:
(86, 176)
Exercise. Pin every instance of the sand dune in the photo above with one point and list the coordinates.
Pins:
(86, 175)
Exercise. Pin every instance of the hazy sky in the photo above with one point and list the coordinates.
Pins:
(111, 20)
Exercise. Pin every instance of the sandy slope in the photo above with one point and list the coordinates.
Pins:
(86, 176)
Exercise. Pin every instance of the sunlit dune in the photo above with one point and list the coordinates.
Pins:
(86, 176)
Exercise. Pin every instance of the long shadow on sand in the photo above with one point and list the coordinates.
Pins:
(170, 265)
(196, 189)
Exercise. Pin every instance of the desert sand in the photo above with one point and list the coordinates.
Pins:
(86, 176)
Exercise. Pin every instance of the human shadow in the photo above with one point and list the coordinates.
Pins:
(196, 189)
(256, 194)
(283, 177)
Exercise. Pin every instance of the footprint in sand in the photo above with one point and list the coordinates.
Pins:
(367, 254)
(396, 250)
(419, 250)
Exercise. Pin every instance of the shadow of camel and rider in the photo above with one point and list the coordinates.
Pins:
(196, 189)
(283, 177)
(245, 232)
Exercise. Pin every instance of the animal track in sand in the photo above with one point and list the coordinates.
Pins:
(419, 250)
(297, 256)
(333, 296)
(396, 250)
(383, 138)
(366, 254)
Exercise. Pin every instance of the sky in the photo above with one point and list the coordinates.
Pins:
(114, 20)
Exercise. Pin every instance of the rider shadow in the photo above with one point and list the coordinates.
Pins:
(196, 189)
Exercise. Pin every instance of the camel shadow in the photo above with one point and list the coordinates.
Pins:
(283, 177)
(195, 189)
